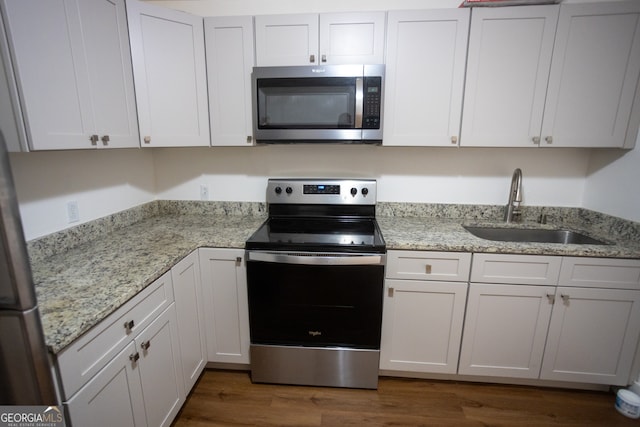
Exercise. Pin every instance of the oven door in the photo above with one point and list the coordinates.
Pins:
(315, 300)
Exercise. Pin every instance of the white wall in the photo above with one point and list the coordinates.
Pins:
(101, 181)
(427, 175)
(612, 183)
(108, 181)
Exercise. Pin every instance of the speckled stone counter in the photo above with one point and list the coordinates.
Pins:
(85, 273)
(77, 288)
(434, 227)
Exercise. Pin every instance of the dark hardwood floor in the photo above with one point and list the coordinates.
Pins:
(228, 398)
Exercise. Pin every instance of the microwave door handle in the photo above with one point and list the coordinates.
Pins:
(359, 102)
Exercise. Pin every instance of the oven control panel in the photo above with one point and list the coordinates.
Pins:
(322, 191)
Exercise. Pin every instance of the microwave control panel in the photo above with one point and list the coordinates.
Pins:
(372, 102)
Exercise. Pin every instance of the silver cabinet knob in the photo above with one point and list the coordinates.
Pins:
(454, 139)
(93, 139)
(324, 58)
(536, 140)
(249, 139)
(312, 59)
(145, 345)
(147, 139)
(105, 139)
(549, 139)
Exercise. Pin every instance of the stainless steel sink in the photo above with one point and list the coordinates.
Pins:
(532, 235)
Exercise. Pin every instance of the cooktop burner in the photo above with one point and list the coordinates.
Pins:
(320, 215)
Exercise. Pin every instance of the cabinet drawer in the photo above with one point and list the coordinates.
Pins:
(517, 269)
(93, 350)
(600, 273)
(417, 265)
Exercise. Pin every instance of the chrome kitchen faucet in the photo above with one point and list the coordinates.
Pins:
(515, 196)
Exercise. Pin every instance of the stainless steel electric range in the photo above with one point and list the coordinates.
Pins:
(315, 277)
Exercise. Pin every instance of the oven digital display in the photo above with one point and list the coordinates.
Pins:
(321, 189)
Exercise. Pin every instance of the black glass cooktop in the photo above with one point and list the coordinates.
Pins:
(318, 234)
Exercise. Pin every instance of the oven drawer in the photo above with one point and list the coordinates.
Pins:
(419, 265)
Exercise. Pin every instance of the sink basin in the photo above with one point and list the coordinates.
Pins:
(533, 235)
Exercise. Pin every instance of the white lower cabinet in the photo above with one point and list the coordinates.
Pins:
(224, 288)
(129, 370)
(141, 386)
(190, 318)
(592, 336)
(160, 369)
(422, 319)
(553, 318)
(505, 330)
(111, 398)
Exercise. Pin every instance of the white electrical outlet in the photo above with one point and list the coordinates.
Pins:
(73, 214)
(204, 192)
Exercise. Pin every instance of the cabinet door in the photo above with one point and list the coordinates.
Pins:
(505, 330)
(167, 47)
(507, 72)
(592, 336)
(229, 47)
(74, 72)
(422, 326)
(51, 70)
(113, 397)
(352, 38)
(224, 283)
(594, 72)
(286, 40)
(160, 373)
(426, 56)
(106, 40)
(11, 122)
(191, 326)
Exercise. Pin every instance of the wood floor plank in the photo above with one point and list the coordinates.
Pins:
(228, 398)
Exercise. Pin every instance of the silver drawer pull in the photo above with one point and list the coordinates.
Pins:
(145, 345)
(134, 357)
(427, 269)
(129, 325)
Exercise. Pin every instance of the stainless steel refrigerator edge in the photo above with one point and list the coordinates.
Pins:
(24, 364)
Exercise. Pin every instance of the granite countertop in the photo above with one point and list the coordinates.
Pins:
(77, 287)
(439, 234)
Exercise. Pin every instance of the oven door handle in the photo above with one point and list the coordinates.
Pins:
(317, 259)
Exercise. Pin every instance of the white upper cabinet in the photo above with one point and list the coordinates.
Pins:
(426, 55)
(229, 48)
(352, 38)
(594, 72)
(286, 39)
(311, 39)
(11, 123)
(507, 70)
(553, 76)
(169, 68)
(73, 72)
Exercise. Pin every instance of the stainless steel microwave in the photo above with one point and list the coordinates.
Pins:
(330, 103)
